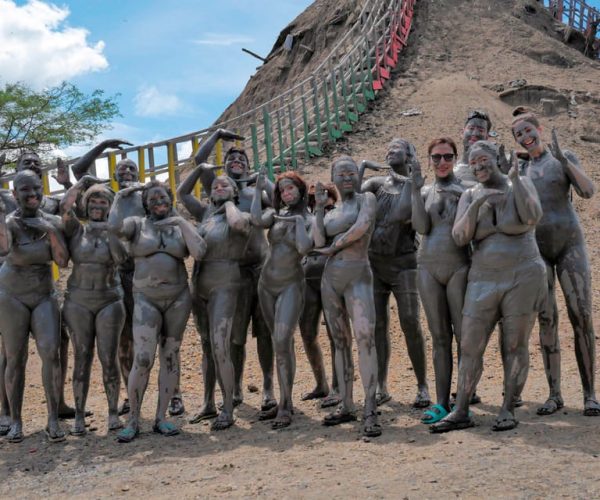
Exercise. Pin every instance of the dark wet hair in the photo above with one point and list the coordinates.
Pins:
(98, 190)
(481, 115)
(298, 182)
(236, 149)
(126, 161)
(331, 192)
(24, 174)
(486, 146)
(442, 140)
(148, 187)
(523, 114)
(399, 141)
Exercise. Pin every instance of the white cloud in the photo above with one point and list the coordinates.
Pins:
(36, 48)
(149, 101)
(223, 39)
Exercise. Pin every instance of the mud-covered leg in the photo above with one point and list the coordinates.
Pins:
(575, 280)
(266, 355)
(309, 330)
(81, 323)
(435, 304)
(14, 324)
(109, 324)
(549, 341)
(361, 309)
(221, 309)
(64, 410)
(4, 407)
(407, 299)
(515, 340)
(45, 327)
(173, 326)
(126, 337)
(382, 338)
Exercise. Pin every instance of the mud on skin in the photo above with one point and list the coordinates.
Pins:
(392, 254)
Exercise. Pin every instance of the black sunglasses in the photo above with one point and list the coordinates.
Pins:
(437, 158)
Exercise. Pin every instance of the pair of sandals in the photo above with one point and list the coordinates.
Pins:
(371, 428)
(162, 427)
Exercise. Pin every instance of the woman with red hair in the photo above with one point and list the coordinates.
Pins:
(281, 284)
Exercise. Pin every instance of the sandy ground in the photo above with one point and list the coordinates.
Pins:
(445, 72)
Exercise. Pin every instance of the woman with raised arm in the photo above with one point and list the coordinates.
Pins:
(347, 288)
(442, 265)
(506, 280)
(313, 265)
(216, 283)
(158, 243)
(281, 284)
(30, 240)
(93, 309)
(562, 245)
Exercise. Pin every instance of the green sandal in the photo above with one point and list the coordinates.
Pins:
(127, 435)
(165, 428)
(433, 415)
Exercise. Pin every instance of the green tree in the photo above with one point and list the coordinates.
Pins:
(54, 117)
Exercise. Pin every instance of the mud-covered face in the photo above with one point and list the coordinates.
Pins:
(236, 164)
(345, 177)
(396, 154)
(527, 135)
(29, 193)
(289, 192)
(97, 208)
(442, 158)
(483, 164)
(126, 173)
(221, 190)
(158, 202)
(475, 130)
(30, 161)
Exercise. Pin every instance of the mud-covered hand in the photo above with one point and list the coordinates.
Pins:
(321, 195)
(62, 172)
(324, 250)
(174, 220)
(556, 150)
(39, 224)
(130, 190)
(513, 173)
(482, 195)
(261, 180)
(411, 158)
(228, 135)
(416, 175)
(115, 143)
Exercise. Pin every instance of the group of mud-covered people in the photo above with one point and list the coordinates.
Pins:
(481, 245)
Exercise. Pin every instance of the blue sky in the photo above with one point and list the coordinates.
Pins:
(176, 63)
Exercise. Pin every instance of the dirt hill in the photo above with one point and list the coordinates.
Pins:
(462, 54)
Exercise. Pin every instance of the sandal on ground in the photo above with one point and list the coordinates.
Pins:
(77, 431)
(54, 437)
(165, 428)
(128, 434)
(505, 424)
(203, 415)
(371, 428)
(552, 405)
(451, 425)
(591, 408)
(338, 417)
(434, 414)
(221, 423)
(382, 398)
(269, 414)
(176, 406)
(15, 437)
(268, 404)
(421, 401)
(314, 394)
(281, 422)
(331, 400)
(4, 429)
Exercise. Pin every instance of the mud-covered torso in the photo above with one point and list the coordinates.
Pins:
(339, 220)
(222, 242)
(391, 237)
(256, 249)
(559, 226)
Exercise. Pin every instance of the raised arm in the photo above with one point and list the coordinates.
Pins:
(117, 216)
(582, 184)
(527, 200)
(82, 166)
(318, 231)
(421, 222)
(184, 192)
(257, 216)
(5, 236)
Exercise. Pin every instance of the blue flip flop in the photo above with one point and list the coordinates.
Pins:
(433, 415)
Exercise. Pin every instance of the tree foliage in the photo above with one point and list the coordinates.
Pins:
(55, 117)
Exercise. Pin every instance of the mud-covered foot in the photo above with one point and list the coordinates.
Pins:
(269, 414)
(371, 426)
(78, 428)
(176, 406)
(15, 433)
(114, 423)
(505, 421)
(339, 416)
(282, 420)
(165, 428)
(316, 393)
(4, 425)
(331, 400)
(382, 397)
(422, 400)
(268, 402)
(552, 405)
(475, 399)
(518, 402)
(591, 407)
(222, 422)
(54, 433)
(206, 413)
(125, 407)
(238, 397)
